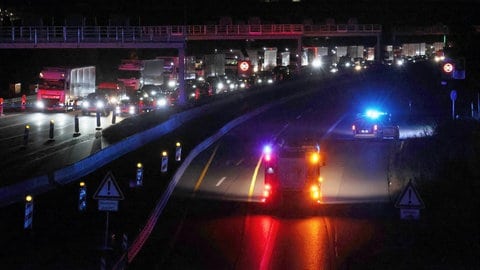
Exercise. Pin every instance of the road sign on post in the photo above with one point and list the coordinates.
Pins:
(108, 189)
(108, 194)
(409, 202)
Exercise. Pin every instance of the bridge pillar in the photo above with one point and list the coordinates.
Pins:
(182, 97)
(299, 53)
(378, 49)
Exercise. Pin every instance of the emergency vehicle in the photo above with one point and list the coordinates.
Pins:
(292, 173)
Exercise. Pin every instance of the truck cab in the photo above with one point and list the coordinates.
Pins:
(292, 173)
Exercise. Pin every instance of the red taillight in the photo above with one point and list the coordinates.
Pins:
(268, 157)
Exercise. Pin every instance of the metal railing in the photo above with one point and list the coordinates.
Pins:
(164, 34)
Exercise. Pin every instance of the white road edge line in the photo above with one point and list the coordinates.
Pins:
(221, 181)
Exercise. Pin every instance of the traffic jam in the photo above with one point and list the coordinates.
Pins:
(139, 86)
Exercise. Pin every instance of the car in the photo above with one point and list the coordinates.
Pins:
(197, 90)
(126, 107)
(376, 125)
(96, 102)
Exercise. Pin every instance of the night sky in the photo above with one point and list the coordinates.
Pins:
(179, 11)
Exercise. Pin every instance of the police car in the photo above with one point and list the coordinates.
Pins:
(375, 125)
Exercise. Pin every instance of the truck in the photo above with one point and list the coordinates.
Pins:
(292, 172)
(214, 65)
(60, 88)
(152, 72)
(130, 74)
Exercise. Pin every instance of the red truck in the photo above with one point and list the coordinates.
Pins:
(60, 88)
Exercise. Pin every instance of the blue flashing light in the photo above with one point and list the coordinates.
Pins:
(374, 114)
(267, 149)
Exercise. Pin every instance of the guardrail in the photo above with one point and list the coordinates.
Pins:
(165, 34)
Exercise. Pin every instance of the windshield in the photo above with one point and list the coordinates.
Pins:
(127, 74)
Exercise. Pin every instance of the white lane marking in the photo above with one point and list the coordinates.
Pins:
(299, 116)
(221, 181)
(239, 162)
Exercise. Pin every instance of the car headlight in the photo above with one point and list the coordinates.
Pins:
(100, 104)
(162, 102)
(220, 86)
(117, 110)
(270, 81)
(131, 110)
(85, 104)
(40, 104)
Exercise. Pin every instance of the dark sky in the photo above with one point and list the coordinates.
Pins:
(418, 12)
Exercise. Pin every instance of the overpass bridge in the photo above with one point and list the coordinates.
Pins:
(174, 36)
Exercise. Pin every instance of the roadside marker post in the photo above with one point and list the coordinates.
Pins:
(164, 167)
(178, 151)
(98, 120)
(139, 175)
(77, 127)
(26, 132)
(28, 212)
(82, 197)
(51, 130)
(114, 116)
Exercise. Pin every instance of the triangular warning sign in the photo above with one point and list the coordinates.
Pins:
(108, 189)
(409, 198)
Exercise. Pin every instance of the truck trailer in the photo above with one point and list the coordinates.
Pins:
(59, 88)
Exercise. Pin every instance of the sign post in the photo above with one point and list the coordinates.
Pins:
(108, 194)
(410, 203)
(453, 97)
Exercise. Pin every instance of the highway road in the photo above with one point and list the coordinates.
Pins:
(43, 151)
(213, 218)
